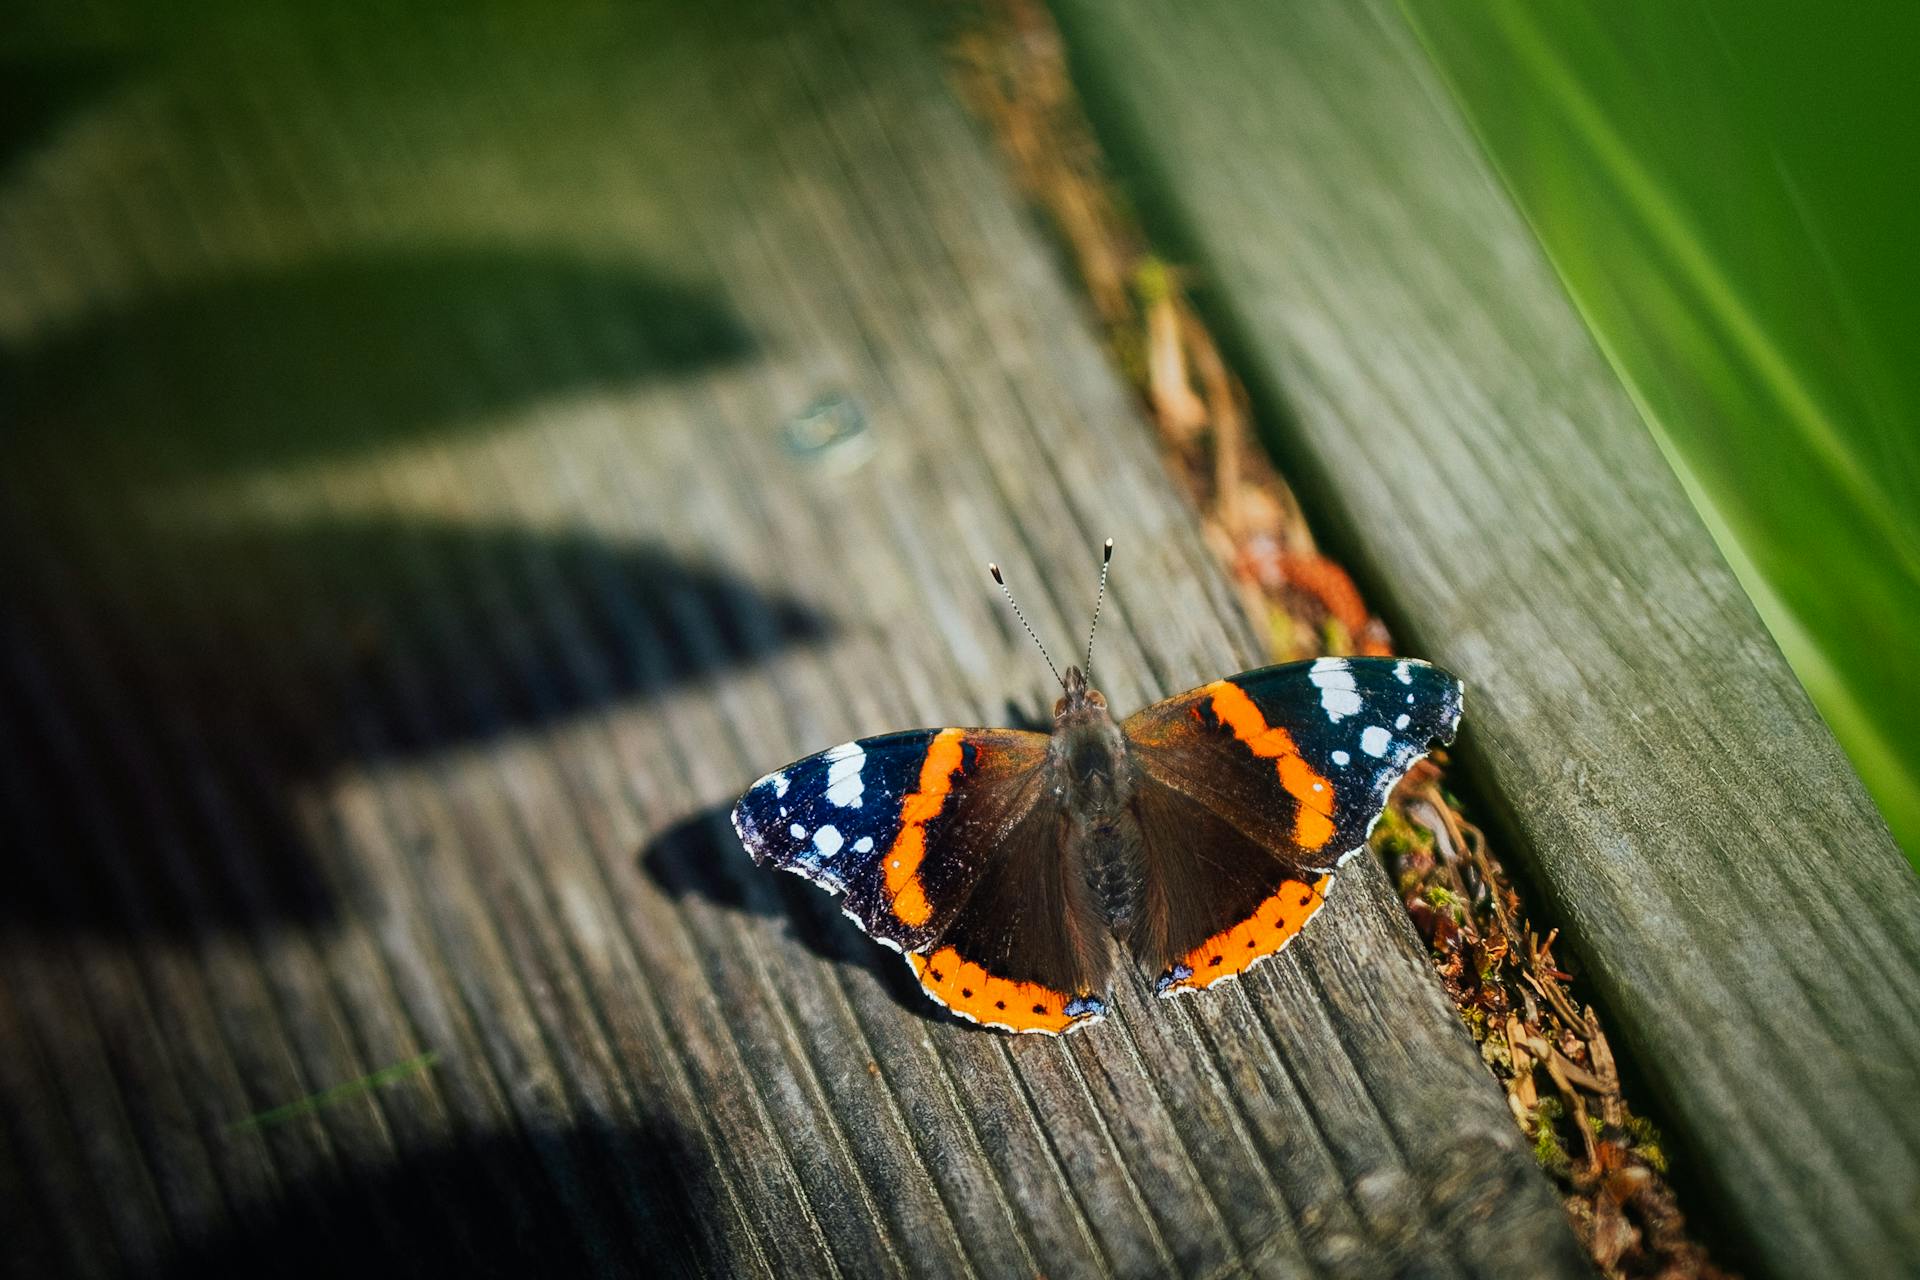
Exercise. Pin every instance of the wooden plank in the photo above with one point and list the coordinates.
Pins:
(409, 566)
(1736, 900)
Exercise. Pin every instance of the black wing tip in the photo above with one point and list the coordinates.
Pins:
(751, 815)
(1453, 704)
(747, 824)
(746, 828)
(1456, 711)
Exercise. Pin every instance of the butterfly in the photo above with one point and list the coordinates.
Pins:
(1201, 833)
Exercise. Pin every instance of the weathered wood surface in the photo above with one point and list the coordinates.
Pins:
(405, 567)
(1736, 900)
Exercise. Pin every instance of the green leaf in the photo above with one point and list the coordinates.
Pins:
(1727, 192)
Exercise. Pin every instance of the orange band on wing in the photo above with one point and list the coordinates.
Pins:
(1270, 928)
(1312, 794)
(971, 991)
(904, 891)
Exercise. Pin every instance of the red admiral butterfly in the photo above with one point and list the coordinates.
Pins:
(1203, 832)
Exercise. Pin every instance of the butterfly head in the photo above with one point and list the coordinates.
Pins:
(1087, 748)
(1081, 702)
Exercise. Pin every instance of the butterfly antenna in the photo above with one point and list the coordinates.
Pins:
(1106, 559)
(994, 569)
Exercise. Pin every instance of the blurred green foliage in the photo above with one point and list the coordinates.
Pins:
(1727, 191)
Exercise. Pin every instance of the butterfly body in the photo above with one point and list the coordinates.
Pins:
(1088, 765)
(1199, 834)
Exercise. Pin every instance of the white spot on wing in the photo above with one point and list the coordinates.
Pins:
(1374, 740)
(1403, 672)
(1338, 696)
(844, 787)
(828, 841)
(1403, 721)
(779, 785)
(863, 845)
(797, 831)
(1341, 758)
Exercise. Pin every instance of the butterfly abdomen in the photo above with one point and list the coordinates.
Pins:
(1114, 871)
(1092, 767)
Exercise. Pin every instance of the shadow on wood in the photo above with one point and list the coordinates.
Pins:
(628, 1202)
(163, 712)
(338, 355)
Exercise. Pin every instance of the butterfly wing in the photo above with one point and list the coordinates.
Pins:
(949, 845)
(1252, 790)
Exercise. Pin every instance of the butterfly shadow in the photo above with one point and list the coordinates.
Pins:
(700, 856)
(1035, 718)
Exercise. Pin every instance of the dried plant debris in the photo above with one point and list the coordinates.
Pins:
(1545, 1047)
(1547, 1050)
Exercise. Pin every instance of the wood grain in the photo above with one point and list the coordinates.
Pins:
(1735, 899)
(411, 565)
